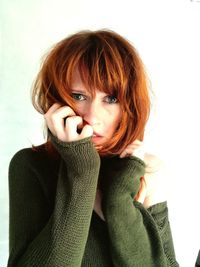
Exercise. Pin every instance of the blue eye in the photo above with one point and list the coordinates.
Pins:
(111, 99)
(78, 97)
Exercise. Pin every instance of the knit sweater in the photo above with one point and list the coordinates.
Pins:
(52, 221)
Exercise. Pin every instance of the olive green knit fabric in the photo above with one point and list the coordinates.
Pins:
(52, 222)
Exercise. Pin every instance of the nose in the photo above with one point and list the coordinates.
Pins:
(93, 113)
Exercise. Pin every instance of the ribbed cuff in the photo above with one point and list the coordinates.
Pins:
(80, 154)
(123, 176)
(131, 181)
(159, 211)
(137, 160)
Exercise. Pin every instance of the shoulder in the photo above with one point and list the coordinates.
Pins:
(21, 160)
(29, 163)
(33, 156)
(28, 157)
(25, 161)
(23, 155)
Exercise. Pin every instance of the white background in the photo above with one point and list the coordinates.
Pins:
(166, 34)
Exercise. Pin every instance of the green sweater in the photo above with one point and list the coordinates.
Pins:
(52, 221)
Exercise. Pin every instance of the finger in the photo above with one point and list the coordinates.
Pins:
(55, 119)
(135, 146)
(47, 117)
(52, 109)
(87, 131)
(123, 154)
(137, 142)
(140, 197)
(71, 126)
(127, 152)
(63, 112)
(132, 149)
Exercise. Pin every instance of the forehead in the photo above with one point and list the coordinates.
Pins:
(76, 80)
(77, 84)
(79, 87)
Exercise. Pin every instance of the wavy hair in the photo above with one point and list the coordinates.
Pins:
(106, 61)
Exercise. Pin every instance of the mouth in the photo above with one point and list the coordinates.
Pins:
(96, 134)
(97, 138)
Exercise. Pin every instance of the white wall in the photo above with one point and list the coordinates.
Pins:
(166, 33)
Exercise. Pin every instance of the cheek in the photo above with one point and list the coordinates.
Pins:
(115, 117)
(79, 109)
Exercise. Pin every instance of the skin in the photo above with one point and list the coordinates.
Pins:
(99, 117)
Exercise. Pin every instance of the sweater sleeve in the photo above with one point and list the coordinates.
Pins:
(35, 239)
(159, 212)
(134, 237)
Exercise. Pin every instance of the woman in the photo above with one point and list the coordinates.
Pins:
(83, 198)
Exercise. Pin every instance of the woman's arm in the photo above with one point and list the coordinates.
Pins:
(134, 237)
(159, 212)
(144, 183)
(153, 194)
(39, 237)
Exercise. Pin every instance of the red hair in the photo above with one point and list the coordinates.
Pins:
(106, 61)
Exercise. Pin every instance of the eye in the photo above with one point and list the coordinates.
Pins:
(111, 99)
(78, 97)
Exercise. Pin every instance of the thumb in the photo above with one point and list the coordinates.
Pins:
(87, 131)
(140, 197)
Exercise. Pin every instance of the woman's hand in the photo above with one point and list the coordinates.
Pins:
(153, 187)
(64, 123)
(134, 149)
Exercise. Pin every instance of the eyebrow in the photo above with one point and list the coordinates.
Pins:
(84, 92)
(78, 91)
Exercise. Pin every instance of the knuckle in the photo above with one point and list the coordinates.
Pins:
(54, 116)
(69, 120)
(68, 110)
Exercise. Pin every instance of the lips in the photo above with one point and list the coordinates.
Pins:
(96, 134)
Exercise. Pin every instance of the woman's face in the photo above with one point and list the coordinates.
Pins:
(102, 112)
